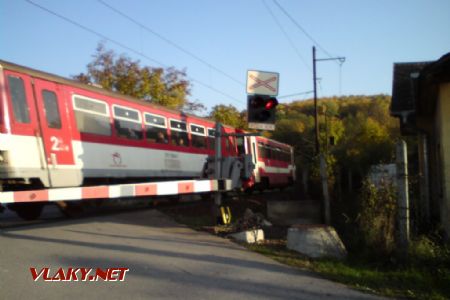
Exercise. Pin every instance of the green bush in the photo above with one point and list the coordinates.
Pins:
(377, 217)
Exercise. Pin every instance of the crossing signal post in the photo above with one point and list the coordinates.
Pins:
(262, 88)
(261, 110)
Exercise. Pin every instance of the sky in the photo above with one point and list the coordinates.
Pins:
(216, 42)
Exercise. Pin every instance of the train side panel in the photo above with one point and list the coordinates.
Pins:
(22, 156)
(120, 141)
(274, 165)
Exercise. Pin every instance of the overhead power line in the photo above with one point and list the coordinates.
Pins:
(296, 94)
(302, 29)
(170, 42)
(302, 59)
(139, 53)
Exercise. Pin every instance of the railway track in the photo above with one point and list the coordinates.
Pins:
(52, 213)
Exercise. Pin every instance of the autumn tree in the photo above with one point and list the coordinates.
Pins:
(228, 115)
(167, 87)
(361, 128)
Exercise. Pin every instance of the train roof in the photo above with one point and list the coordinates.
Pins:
(62, 80)
(277, 143)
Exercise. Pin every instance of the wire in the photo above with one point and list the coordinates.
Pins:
(302, 29)
(126, 47)
(296, 94)
(286, 36)
(340, 79)
(94, 32)
(170, 42)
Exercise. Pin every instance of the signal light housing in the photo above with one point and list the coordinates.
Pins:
(261, 109)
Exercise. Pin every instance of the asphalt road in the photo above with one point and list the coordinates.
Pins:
(165, 260)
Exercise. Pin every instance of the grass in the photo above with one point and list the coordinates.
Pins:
(424, 275)
(416, 279)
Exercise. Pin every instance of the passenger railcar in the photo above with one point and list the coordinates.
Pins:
(59, 133)
(274, 163)
(56, 132)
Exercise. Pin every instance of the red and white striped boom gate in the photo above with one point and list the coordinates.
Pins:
(162, 188)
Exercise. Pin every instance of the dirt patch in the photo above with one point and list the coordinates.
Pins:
(200, 215)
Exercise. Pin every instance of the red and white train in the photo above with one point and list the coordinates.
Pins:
(56, 132)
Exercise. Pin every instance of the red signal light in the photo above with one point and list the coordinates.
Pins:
(271, 103)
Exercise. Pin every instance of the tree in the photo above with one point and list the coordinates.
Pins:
(228, 115)
(167, 87)
(194, 107)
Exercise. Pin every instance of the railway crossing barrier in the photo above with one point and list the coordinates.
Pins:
(162, 188)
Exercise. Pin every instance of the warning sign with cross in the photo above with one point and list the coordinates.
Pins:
(262, 83)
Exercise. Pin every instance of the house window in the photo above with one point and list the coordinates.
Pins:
(198, 136)
(92, 116)
(155, 128)
(127, 122)
(178, 132)
(21, 110)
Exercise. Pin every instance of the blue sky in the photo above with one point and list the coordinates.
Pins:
(235, 36)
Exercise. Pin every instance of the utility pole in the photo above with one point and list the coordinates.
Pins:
(323, 163)
(403, 197)
(316, 119)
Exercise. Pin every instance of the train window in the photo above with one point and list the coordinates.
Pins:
(268, 151)
(127, 122)
(51, 109)
(240, 145)
(19, 100)
(277, 154)
(198, 136)
(179, 136)
(211, 138)
(262, 150)
(152, 119)
(155, 128)
(92, 116)
(287, 156)
(178, 125)
(274, 153)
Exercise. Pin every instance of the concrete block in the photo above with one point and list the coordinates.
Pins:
(249, 236)
(316, 241)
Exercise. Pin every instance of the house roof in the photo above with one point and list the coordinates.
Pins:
(430, 78)
(415, 90)
(405, 74)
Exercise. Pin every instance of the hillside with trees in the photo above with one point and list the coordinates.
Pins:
(355, 132)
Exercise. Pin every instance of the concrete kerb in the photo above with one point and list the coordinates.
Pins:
(316, 241)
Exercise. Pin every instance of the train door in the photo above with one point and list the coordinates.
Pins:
(252, 149)
(22, 142)
(55, 132)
